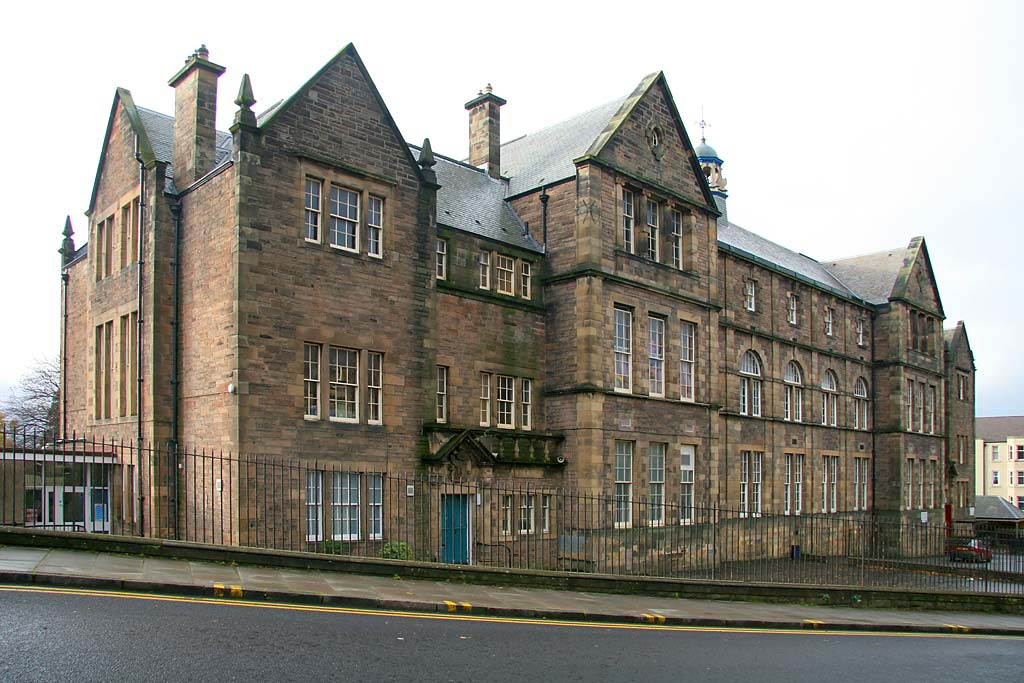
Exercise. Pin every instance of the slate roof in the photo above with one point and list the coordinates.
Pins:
(998, 428)
(735, 238)
(994, 507)
(472, 201)
(871, 276)
(160, 130)
(545, 156)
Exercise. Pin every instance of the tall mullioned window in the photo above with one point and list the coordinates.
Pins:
(676, 226)
(793, 487)
(375, 227)
(687, 457)
(860, 483)
(860, 404)
(750, 385)
(485, 399)
(653, 236)
(344, 225)
(374, 387)
(311, 380)
(829, 483)
(623, 483)
(344, 385)
(793, 393)
(628, 220)
(793, 309)
(525, 279)
(656, 472)
(345, 506)
(750, 483)
(484, 262)
(506, 401)
(314, 189)
(441, 403)
(656, 355)
(314, 505)
(623, 350)
(526, 404)
(750, 295)
(687, 339)
(829, 399)
(506, 269)
(441, 260)
(376, 490)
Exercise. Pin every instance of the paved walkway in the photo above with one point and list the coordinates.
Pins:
(82, 568)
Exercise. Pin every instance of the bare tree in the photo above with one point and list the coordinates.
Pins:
(32, 406)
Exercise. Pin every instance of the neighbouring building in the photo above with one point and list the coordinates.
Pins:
(999, 458)
(573, 307)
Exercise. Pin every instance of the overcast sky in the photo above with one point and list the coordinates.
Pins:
(845, 129)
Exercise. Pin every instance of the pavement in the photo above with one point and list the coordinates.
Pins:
(112, 571)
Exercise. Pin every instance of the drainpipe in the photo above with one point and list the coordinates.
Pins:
(175, 206)
(64, 384)
(139, 303)
(544, 214)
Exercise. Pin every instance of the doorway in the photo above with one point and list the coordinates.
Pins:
(455, 529)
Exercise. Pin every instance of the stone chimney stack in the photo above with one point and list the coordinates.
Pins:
(195, 117)
(484, 131)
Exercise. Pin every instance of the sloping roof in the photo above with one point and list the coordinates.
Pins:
(998, 428)
(734, 238)
(472, 201)
(160, 130)
(994, 507)
(871, 276)
(545, 156)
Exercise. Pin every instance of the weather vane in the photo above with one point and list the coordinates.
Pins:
(703, 124)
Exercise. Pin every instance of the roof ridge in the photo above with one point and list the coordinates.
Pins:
(870, 253)
(566, 120)
(453, 160)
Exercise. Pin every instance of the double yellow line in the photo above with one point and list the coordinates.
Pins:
(652, 621)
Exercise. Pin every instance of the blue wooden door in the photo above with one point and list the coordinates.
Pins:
(455, 529)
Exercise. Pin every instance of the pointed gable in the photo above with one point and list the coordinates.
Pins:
(335, 112)
(647, 138)
(958, 346)
(916, 283)
(123, 103)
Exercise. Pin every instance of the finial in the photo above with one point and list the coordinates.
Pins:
(245, 98)
(488, 88)
(703, 124)
(202, 52)
(244, 117)
(426, 159)
(67, 247)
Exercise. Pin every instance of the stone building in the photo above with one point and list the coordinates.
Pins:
(999, 458)
(572, 307)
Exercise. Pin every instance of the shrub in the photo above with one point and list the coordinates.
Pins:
(396, 550)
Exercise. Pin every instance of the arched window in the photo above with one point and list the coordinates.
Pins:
(829, 399)
(750, 384)
(793, 396)
(860, 404)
